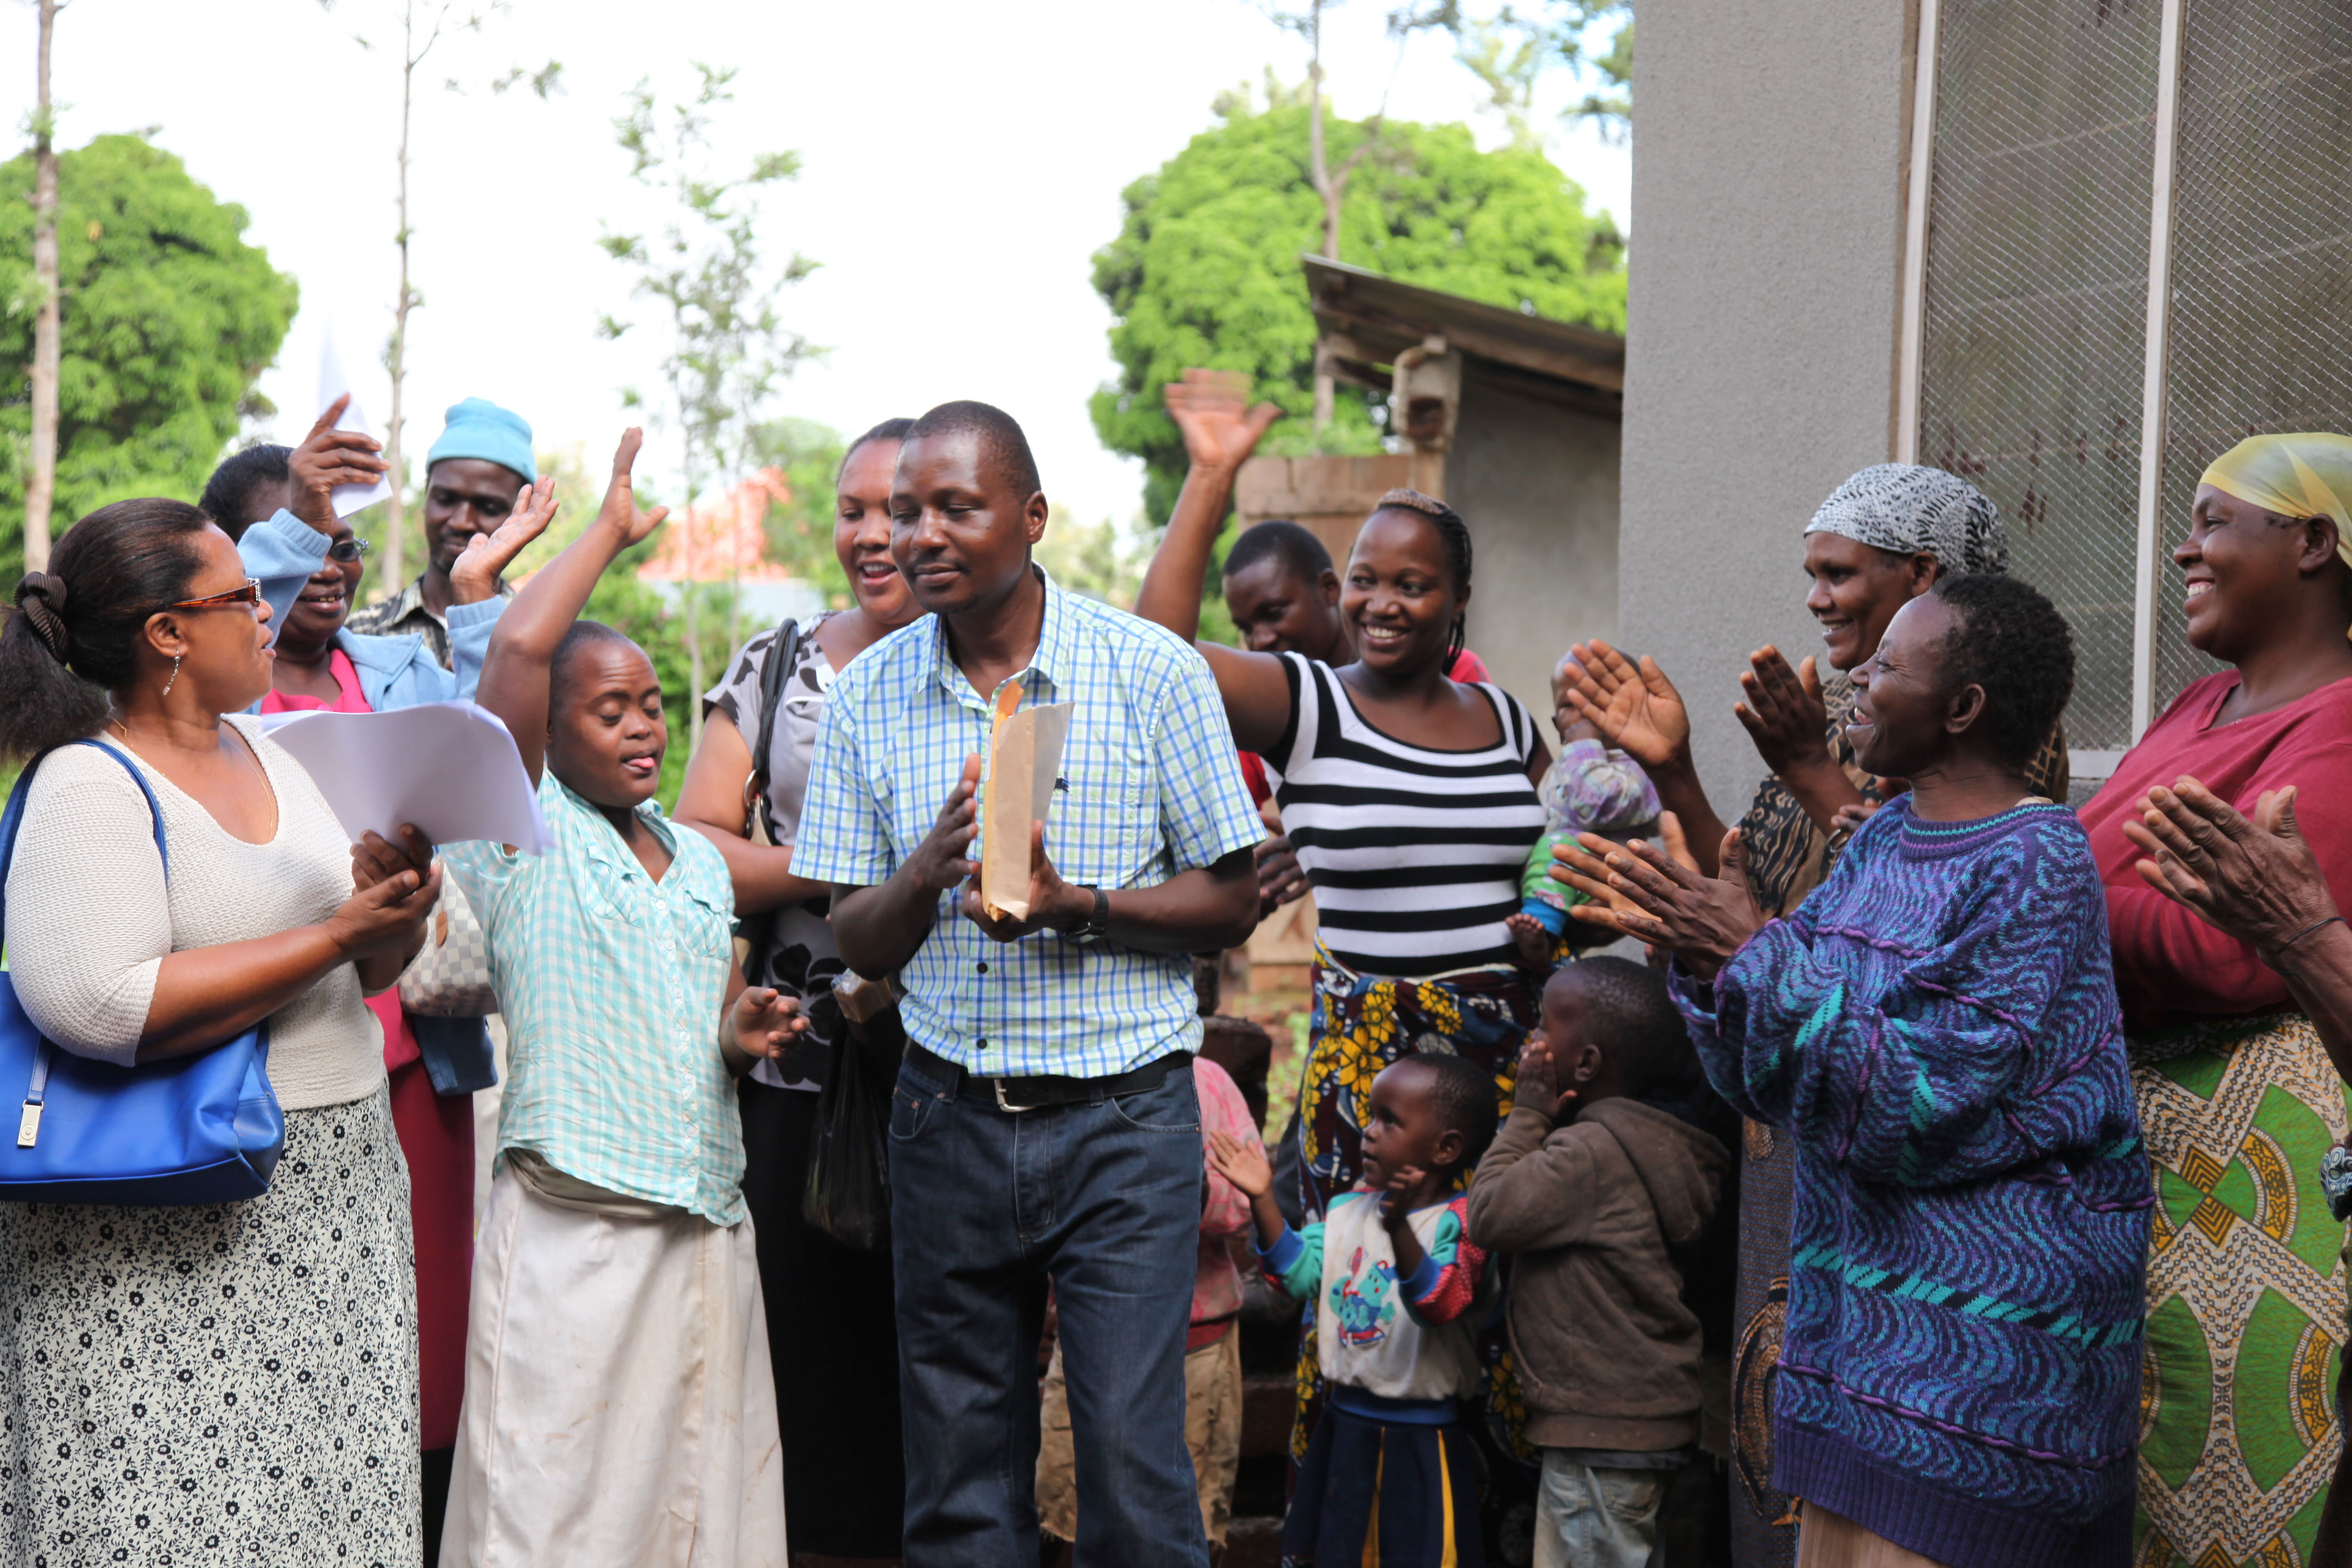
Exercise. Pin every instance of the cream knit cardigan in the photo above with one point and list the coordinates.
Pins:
(89, 917)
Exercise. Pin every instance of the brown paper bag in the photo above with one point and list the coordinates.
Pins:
(1025, 755)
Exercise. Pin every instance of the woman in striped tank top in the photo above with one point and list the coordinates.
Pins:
(1411, 801)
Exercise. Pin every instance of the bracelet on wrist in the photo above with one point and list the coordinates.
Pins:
(2273, 952)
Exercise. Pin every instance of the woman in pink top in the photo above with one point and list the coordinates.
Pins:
(2238, 1099)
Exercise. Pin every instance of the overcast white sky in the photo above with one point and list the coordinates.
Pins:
(961, 164)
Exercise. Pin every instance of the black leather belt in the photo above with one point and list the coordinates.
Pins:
(1040, 1090)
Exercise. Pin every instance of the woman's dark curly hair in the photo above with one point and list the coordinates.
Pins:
(73, 635)
(2012, 642)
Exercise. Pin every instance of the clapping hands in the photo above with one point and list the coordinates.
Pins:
(1643, 891)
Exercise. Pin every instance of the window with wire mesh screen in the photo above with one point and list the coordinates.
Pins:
(2262, 256)
(2034, 334)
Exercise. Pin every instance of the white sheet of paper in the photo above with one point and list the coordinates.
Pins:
(332, 383)
(449, 767)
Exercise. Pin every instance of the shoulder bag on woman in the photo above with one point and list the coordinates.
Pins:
(202, 1127)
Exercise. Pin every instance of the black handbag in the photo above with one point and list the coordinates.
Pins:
(847, 1195)
(756, 933)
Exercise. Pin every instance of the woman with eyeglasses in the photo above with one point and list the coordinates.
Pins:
(236, 1380)
(278, 505)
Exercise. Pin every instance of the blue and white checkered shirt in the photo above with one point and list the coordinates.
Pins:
(611, 984)
(1154, 789)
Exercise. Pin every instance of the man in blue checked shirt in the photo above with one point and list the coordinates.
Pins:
(1045, 1121)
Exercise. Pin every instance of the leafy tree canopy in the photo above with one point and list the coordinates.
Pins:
(1206, 269)
(169, 316)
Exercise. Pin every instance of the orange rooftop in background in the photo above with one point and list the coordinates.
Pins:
(722, 540)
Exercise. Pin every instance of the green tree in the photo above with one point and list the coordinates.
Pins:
(1592, 40)
(727, 347)
(1206, 269)
(168, 317)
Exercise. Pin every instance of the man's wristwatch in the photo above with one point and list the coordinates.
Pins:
(1096, 925)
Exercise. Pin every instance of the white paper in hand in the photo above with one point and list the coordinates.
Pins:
(449, 767)
(332, 383)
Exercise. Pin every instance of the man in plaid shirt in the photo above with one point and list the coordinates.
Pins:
(1045, 1121)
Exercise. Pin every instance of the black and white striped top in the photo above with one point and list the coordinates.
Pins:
(1414, 854)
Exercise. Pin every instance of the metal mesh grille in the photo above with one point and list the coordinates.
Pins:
(2262, 257)
(2034, 333)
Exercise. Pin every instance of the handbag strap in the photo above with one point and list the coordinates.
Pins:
(13, 817)
(783, 653)
(28, 1124)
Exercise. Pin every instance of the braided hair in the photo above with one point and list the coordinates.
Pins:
(74, 633)
(1457, 535)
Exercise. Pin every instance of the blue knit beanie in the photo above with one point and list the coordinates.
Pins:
(480, 428)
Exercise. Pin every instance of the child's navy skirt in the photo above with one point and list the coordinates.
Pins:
(1383, 1489)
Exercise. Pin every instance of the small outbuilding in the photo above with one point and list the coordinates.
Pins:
(1511, 418)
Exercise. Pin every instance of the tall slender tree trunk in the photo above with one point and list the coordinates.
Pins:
(41, 484)
(1325, 187)
(396, 358)
(686, 590)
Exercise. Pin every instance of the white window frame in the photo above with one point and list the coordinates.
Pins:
(2083, 763)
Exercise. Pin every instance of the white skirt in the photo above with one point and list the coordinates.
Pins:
(619, 1406)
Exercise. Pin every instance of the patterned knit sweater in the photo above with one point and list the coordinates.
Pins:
(1936, 1025)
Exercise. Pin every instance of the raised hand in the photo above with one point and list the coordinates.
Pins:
(765, 1021)
(475, 577)
(1784, 713)
(327, 461)
(1634, 706)
(1644, 892)
(2255, 879)
(1211, 409)
(1242, 1165)
(620, 510)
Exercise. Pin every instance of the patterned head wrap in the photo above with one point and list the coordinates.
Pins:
(2293, 476)
(1905, 509)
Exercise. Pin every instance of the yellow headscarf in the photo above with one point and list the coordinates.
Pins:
(2308, 475)
(2293, 476)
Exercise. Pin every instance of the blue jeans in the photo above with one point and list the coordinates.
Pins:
(985, 1204)
(1590, 1517)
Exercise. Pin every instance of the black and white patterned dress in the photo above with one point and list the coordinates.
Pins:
(234, 1383)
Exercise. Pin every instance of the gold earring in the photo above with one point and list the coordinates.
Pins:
(175, 675)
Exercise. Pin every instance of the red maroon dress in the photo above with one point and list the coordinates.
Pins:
(436, 1134)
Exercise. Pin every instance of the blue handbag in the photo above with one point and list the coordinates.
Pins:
(202, 1127)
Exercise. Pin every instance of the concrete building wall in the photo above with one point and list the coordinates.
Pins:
(1768, 170)
(1538, 484)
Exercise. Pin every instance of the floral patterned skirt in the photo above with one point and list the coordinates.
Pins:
(1361, 1024)
(234, 1383)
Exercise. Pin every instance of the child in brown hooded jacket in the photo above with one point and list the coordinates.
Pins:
(1595, 1188)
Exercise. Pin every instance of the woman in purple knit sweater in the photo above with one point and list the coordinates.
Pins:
(1936, 1025)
